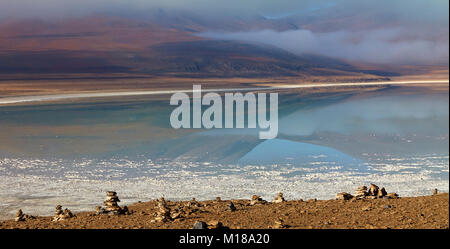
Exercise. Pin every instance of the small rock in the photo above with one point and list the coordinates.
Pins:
(279, 198)
(279, 223)
(435, 192)
(231, 207)
(387, 206)
(366, 209)
(215, 224)
(392, 196)
(193, 203)
(256, 199)
(99, 210)
(343, 196)
(175, 215)
(125, 210)
(67, 214)
(373, 190)
(200, 225)
(381, 193)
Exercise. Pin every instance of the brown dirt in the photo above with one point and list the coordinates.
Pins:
(424, 212)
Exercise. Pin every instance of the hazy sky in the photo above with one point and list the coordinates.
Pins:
(412, 10)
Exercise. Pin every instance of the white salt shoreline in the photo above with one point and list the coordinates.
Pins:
(56, 97)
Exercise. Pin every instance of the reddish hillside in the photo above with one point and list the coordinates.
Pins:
(157, 44)
(90, 33)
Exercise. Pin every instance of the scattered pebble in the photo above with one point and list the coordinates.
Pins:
(231, 207)
(279, 198)
(256, 199)
(200, 225)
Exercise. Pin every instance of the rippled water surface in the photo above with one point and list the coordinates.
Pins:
(70, 154)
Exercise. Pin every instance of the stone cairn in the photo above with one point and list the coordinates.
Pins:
(163, 213)
(343, 196)
(20, 216)
(279, 198)
(61, 214)
(111, 206)
(256, 199)
(362, 192)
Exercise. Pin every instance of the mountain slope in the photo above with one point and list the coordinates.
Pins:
(105, 45)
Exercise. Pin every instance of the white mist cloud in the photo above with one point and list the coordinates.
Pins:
(394, 45)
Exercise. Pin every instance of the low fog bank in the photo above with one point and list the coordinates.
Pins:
(381, 46)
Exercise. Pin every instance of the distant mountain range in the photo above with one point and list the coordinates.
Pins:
(157, 44)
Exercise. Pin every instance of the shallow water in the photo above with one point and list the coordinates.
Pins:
(70, 154)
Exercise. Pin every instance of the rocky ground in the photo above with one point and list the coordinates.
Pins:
(422, 212)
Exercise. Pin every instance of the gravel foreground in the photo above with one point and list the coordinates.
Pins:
(423, 212)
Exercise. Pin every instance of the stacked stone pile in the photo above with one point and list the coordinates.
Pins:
(111, 206)
(165, 214)
(20, 216)
(362, 192)
(61, 214)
